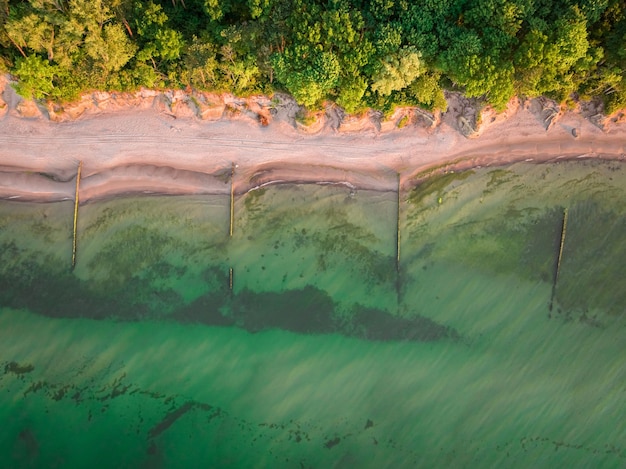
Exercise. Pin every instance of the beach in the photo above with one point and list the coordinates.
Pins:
(143, 145)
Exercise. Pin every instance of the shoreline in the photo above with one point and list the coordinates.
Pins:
(134, 148)
(40, 188)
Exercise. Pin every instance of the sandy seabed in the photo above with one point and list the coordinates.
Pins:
(147, 148)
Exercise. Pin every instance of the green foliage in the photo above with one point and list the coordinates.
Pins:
(593, 9)
(201, 65)
(350, 95)
(428, 92)
(158, 41)
(239, 74)
(549, 58)
(35, 77)
(308, 75)
(397, 72)
(388, 39)
(110, 49)
(479, 72)
(497, 15)
(29, 32)
(216, 9)
(140, 75)
(380, 53)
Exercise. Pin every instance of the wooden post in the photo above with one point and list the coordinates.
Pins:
(232, 198)
(232, 218)
(398, 284)
(80, 167)
(398, 228)
(558, 262)
(563, 231)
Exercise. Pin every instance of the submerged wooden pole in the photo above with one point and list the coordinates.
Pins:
(232, 198)
(563, 231)
(230, 278)
(80, 167)
(398, 284)
(560, 257)
(398, 228)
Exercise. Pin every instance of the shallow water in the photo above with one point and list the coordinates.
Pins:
(326, 352)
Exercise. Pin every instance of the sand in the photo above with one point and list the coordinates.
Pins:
(168, 143)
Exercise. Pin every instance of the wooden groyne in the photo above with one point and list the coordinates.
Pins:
(563, 231)
(560, 257)
(232, 198)
(74, 231)
(398, 227)
(398, 280)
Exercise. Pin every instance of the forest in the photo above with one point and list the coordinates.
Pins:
(358, 54)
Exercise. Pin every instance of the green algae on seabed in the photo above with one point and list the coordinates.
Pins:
(436, 185)
(134, 265)
(167, 258)
(321, 236)
(161, 256)
(162, 394)
(514, 229)
(153, 260)
(470, 370)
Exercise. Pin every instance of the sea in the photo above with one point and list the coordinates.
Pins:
(475, 318)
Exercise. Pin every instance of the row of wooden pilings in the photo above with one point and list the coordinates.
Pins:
(559, 257)
(232, 225)
(231, 221)
(77, 202)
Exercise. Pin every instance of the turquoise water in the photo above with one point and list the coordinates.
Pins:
(326, 352)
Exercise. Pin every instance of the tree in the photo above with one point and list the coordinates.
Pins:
(216, 9)
(201, 65)
(387, 39)
(427, 90)
(109, 49)
(168, 44)
(607, 75)
(546, 61)
(239, 74)
(397, 72)
(480, 72)
(379, 53)
(350, 94)
(308, 74)
(420, 22)
(500, 15)
(34, 76)
(157, 41)
(30, 32)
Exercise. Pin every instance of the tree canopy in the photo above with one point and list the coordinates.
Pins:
(359, 54)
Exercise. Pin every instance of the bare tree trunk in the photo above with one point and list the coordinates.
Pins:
(50, 50)
(17, 45)
(130, 32)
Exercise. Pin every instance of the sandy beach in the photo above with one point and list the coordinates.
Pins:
(149, 142)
